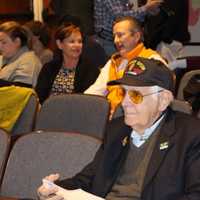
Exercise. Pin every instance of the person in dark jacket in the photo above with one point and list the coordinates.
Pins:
(68, 72)
(171, 23)
(83, 10)
(152, 153)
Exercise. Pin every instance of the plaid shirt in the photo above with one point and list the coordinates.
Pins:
(106, 11)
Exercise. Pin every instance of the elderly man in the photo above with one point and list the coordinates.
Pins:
(153, 153)
(128, 40)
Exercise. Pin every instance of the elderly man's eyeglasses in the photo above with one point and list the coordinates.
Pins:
(136, 96)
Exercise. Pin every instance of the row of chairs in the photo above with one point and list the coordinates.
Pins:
(52, 138)
(86, 114)
(39, 153)
(78, 112)
(35, 155)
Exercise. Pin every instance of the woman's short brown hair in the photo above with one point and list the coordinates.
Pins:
(15, 30)
(65, 31)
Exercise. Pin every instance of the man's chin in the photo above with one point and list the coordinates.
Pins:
(129, 121)
(123, 52)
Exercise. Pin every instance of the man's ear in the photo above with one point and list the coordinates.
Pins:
(138, 36)
(166, 97)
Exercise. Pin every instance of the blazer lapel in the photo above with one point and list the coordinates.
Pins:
(123, 154)
(115, 160)
(162, 147)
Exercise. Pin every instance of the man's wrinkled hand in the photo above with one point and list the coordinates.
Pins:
(49, 193)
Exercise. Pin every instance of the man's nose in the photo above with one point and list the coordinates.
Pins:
(116, 39)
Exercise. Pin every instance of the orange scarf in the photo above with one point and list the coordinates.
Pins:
(115, 95)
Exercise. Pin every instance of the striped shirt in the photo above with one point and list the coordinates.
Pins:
(106, 11)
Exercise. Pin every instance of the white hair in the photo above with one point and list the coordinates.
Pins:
(156, 88)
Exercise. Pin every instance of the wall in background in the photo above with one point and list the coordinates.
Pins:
(194, 20)
(15, 6)
(20, 10)
(193, 49)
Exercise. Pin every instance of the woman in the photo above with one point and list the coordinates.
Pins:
(19, 65)
(68, 72)
(40, 40)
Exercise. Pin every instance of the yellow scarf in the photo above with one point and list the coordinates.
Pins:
(13, 99)
(115, 95)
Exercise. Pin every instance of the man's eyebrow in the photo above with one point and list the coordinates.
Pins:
(119, 32)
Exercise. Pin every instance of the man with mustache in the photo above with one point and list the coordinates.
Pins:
(128, 38)
(106, 11)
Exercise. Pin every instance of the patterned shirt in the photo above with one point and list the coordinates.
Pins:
(106, 11)
(64, 82)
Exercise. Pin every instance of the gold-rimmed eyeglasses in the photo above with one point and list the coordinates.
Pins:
(136, 96)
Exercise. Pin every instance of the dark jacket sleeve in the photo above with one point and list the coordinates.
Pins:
(86, 74)
(192, 175)
(43, 86)
(84, 179)
(46, 79)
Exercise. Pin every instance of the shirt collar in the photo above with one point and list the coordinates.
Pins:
(22, 50)
(138, 140)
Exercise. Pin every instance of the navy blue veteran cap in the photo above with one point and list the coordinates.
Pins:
(146, 72)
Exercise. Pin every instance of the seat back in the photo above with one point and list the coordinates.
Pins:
(119, 112)
(35, 156)
(4, 150)
(184, 81)
(87, 114)
(13, 100)
(181, 106)
(25, 122)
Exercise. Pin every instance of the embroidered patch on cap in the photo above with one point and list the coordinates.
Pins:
(135, 67)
